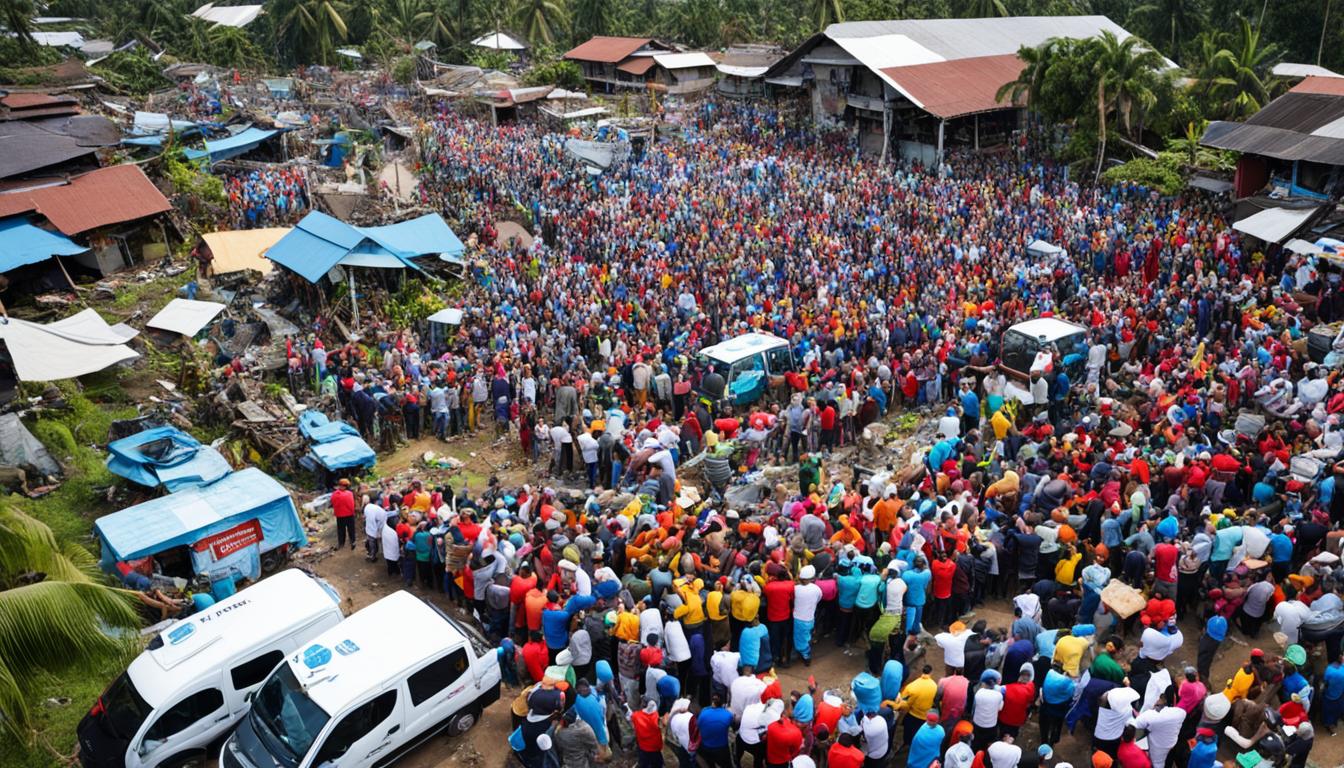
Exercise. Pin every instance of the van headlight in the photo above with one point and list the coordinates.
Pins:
(233, 757)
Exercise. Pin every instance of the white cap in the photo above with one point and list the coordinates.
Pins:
(807, 572)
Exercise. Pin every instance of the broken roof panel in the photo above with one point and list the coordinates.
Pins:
(63, 350)
(607, 50)
(185, 316)
(238, 144)
(115, 195)
(242, 249)
(23, 243)
(1274, 225)
(683, 60)
(950, 89)
(228, 16)
(26, 146)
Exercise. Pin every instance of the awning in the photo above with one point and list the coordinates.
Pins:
(185, 316)
(23, 243)
(449, 316)
(238, 144)
(1210, 184)
(1303, 247)
(76, 346)
(243, 249)
(1274, 225)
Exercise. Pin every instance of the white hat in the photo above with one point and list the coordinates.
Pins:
(807, 572)
(543, 742)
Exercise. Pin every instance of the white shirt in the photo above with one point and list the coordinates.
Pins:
(587, 447)
(806, 597)
(895, 595)
(875, 737)
(949, 427)
(1114, 715)
(391, 546)
(988, 702)
(650, 623)
(1290, 614)
(680, 727)
(1004, 755)
(744, 691)
(1163, 726)
(959, 755)
(1157, 645)
(723, 665)
(954, 647)
(753, 724)
(375, 519)
(674, 639)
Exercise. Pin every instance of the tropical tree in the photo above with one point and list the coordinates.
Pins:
(541, 21)
(315, 26)
(162, 17)
(826, 12)
(593, 17)
(231, 47)
(403, 19)
(1026, 89)
(437, 23)
(1241, 81)
(1126, 75)
(54, 614)
(1169, 21)
(983, 9)
(17, 16)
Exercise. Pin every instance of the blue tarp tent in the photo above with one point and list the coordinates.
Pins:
(238, 144)
(320, 242)
(334, 444)
(23, 243)
(216, 521)
(165, 456)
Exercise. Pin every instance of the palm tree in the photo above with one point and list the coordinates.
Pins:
(827, 12)
(17, 16)
(984, 9)
(403, 19)
(1172, 21)
(161, 17)
(541, 20)
(316, 25)
(231, 47)
(1126, 75)
(593, 17)
(1241, 80)
(1026, 89)
(53, 613)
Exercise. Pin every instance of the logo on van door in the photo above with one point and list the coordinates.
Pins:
(347, 647)
(179, 634)
(315, 656)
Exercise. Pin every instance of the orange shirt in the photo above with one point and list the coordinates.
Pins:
(885, 513)
(534, 602)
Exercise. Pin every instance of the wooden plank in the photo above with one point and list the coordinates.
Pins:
(1123, 600)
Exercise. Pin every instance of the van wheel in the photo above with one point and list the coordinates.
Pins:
(186, 760)
(274, 560)
(462, 722)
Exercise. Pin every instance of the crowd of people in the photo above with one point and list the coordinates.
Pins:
(1184, 454)
(275, 197)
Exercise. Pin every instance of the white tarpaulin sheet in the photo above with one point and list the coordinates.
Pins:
(1274, 225)
(499, 42)
(1042, 248)
(1297, 245)
(73, 347)
(231, 16)
(185, 316)
(449, 316)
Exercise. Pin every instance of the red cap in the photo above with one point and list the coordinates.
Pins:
(1205, 733)
(1257, 653)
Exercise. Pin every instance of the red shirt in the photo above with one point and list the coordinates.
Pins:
(828, 417)
(783, 741)
(535, 658)
(648, 734)
(839, 756)
(1164, 562)
(778, 600)
(943, 570)
(342, 503)
(1129, 755)
(1017, 697)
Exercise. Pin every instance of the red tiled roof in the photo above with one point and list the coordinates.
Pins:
(106, 196)
(1329, 86)
(950, 89)
(607, 50)
(637, 65)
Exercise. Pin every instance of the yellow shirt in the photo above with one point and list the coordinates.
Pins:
(420, 501)
(690, 597)
(745, 605)
(1240, 684)
(917, 696)
(714, 606)
(1066, 569)
(1069, 653)
(1000, 423)
(626, 627)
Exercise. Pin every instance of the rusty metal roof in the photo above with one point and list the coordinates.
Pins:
(960, 87)
(1307, 123)
(33, 100)
(607, 50)
(1330, 86)
(99, 198)
(637, 65)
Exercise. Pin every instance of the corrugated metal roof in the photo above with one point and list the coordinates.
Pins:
(99, 198)
(683, 60)
(607, 50)
(26, 147)
(954, 88)
(636, 66)
(22, 243)
(973, 38)
(1289, 69)
(31, 100)
(734, 70)
(1273, 142)
(1307, 123)
(1301, 112)
(1333, 86)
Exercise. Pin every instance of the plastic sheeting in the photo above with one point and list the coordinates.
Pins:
(75, 346)
(1273, 225)
(185, 316)
(320, 242)
(165, 456)
(22, 243)
(193, 514)
(334, 444)
(18, 447)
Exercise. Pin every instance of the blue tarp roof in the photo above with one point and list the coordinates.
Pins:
(320, 242)
(165, 456)
(335, 444)
(22, 243)
(238, 144)
(192, 514)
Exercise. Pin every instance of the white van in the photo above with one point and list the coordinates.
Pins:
(746, 364)
(387, 679)
(191, 684)
(1027, 342)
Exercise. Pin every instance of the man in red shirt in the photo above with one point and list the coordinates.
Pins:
(1017, 699)
(535, 657)
(843, 753)
(783, 742)
(1165, 555)
(943, 569)
(778, 594)
(343, 507)
(828, 436)
(648, 734)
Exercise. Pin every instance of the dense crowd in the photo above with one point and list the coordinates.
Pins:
(1183, 455)
(266, 198)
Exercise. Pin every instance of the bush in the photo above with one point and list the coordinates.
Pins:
(564, 74)
(491, 59)
(1162, 174)
(403, 70)
(132, 72)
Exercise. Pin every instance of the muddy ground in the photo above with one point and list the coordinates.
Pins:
(486, 745)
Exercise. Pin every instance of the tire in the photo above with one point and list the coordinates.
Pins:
(192, 759)
(462, 722)
(274, 560)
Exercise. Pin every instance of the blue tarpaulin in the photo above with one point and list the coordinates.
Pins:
(23, 243)
(320, 242)
(238, 144)
(334, 444)
(192, 514)
(165, 456)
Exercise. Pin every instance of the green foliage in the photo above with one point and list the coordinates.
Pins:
(1162, 174)
(403, 70)
(486, 58)
(13, 53)
(199, 189)
(564, 74)
(132, 72)
(415, 301)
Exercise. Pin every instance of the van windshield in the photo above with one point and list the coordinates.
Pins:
(285, 718)
(124, 709)
(1019, 351)
(717, 366)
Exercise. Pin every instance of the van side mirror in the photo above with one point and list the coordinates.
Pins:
(250, 694)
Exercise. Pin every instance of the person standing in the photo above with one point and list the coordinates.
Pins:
(714, 722)
(928, 742)
(374, 518)
(648, 733)
(806, 598)
(343, 509)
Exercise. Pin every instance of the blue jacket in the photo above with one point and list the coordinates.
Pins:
(714, 723)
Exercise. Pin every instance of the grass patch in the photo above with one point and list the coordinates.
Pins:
(55, 725)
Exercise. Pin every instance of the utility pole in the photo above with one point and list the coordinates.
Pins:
(1324, 21)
